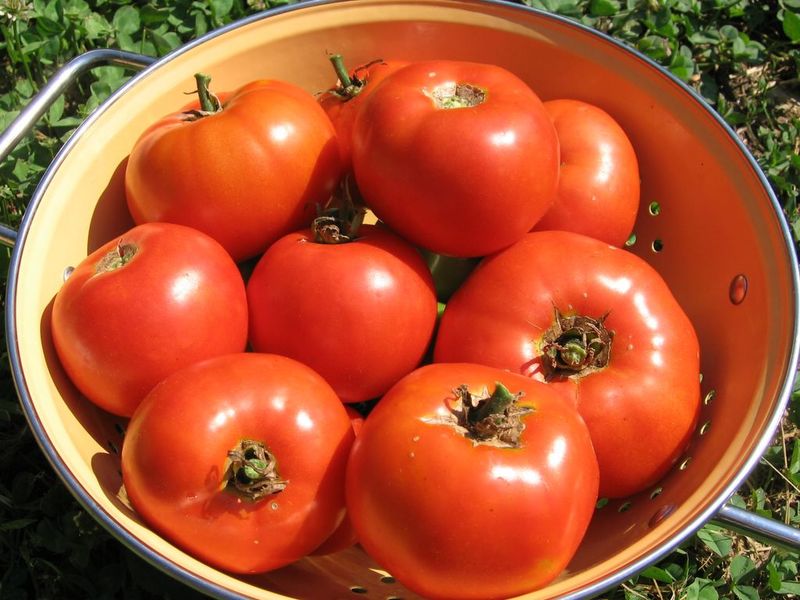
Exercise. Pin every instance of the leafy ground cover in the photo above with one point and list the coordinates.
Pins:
(742, 56)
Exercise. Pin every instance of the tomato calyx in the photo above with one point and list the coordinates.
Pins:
(491, 419)
(575, 345)
(120, 256)
(341, 219)
(453, 95)
(209, 103)
(252, 471)
(349, 86)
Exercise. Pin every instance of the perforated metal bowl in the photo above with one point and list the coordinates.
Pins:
(718, 238)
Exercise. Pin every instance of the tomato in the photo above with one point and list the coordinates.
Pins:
(459, 158)
(190, 461)
(143, 306)
(360, 313)
(343, 101)
(598, 189)
(246, 171)
(345, 535)
(603, 328)
(486, 502)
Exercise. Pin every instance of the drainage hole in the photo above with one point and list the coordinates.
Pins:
(388, 579)
(113, 447)
(685, 463)
(657, 245)
(656, 493)
(654, 209)
(709, 397)
(631, 240)
(357, 589)
(601, 502)
(625, 506)
(704, 427)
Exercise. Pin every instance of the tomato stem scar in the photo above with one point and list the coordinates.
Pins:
(491, 418)
(575, 345)
(252, 471)
(456, 95)
(120, 256)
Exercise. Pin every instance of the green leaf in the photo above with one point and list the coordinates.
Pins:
(791, 25)
(716, 540)
(221, 8)
(603, 8)
(655, 46)
(682, 64)
(741, 566)
(16, 524)
(746, 592)
(789, 587)
(658, 574)
(794, 462)
(701, 589)
(56, 109)
(126, 20)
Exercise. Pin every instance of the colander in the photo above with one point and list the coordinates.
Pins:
(709, 223)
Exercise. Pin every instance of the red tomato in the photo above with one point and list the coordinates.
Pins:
(245, 174)
(459, 158)
(342, 102)
(360, 313)
(190, 461)
(345, 535)
(459, 505)
(143, 306)
(598, 189)
(637, 385)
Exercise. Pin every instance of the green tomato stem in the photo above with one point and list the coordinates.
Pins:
(209, 103)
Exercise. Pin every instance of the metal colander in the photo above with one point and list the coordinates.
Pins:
(709, 223)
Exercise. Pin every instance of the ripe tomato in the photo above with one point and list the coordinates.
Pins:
(603, 328)
(459, 158)
(483, 503)
(143, 306)
(345, 535)
(598, 188)
(342, 102)
(360, 313)
(246, 172)
(190, 461)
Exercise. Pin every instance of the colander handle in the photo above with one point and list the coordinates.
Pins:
(57, 85)
(760, 528)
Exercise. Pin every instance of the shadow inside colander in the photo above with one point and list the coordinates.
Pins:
(103, 427)
(111, 217)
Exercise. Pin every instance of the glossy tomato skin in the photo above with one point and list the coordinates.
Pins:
(175, 449)
(119, 332)
(360, 313)
(342, 111)
(452, 519)
(598, 189)
(641, 409)
(245, 175)
(462, 181)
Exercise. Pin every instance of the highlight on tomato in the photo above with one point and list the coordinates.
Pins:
(457, 157)
(240, 461)
(245, 170)
(144, 305)
(603, 329)
(598, 187)
(356, 305)
(470, 482)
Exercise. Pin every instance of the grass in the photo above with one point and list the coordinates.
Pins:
(741, 55)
